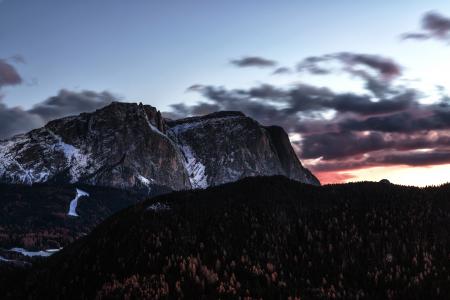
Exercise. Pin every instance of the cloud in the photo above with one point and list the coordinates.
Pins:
(263, 101)
(253, 61)
(434, 26)
(338, 145)
(15, 120)
(434, 157)
(423, 118)
(346, 144)
(349, 62)
(8, 74)
(385, 158)
(377, 71)
(195, 87)
(415, 36)
(386, 67)
(282, 71)
(313, 65)
(71, 103)
(343, 131)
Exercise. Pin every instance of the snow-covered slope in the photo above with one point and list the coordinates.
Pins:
(74, 203)
(129, 145)
(25, 158)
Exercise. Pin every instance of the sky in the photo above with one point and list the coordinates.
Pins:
(360, 87)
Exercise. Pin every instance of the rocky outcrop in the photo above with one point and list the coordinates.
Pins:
(129, 145)
(289, 161)
(227, 146)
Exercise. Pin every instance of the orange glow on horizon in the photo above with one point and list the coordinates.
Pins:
(404, 175)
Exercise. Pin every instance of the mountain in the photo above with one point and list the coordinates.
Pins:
(118, 155)
(227, 146)
(131, 146)
(261, 237)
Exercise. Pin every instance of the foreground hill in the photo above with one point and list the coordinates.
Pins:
(269, 238)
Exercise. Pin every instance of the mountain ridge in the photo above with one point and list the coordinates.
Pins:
(131, 146)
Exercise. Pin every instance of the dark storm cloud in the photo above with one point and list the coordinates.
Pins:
(362, 105)
(15, 120)
(360, 127)
(70, 103)
(434, 25)
(387, 125)
(338, 145)
(253, 61)
(344, 145)
(411, 158)
(419, 158)
(300, 98)
(8, 74)
(431, 118)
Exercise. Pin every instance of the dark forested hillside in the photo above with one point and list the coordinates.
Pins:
(36, 217)
(269, 238)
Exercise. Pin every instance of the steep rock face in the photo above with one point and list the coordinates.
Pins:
(227, 146)
(122, 145)
(288, 159)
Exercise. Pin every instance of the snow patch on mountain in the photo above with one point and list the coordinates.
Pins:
(23, 174)
(145, 180)
(14, 169)
(195, 169)
(42, 253)
(74, 203)
(75, 158)
(158, 206)
(5, 259)
(193, 165)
